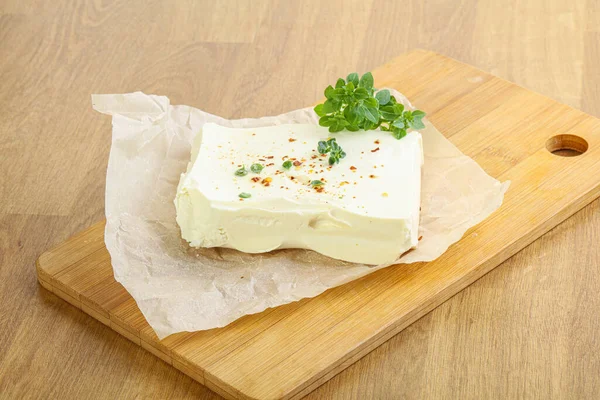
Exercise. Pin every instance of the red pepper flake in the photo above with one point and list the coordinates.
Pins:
(374, 150)
(269, 157)
(297, 163)
(291, 140)
(293, 158)
(372, 176)
(322, 155)
(352, 168)
(261, 159)
(270, 164)
(292, 178)
(377, 141)
(284, 157)
(267, 181)
(420, 237)
(313, 156)
(319, 189)
(255, 179)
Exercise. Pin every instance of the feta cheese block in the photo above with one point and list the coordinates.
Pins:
(366, 210)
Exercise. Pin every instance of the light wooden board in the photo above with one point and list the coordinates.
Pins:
(288, 351)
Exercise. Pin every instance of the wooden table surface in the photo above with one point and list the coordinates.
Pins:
(529, 329)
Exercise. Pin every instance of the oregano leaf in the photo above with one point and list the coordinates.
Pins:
(366, 81)
(353, 77)
(319, 110)
(383, 96)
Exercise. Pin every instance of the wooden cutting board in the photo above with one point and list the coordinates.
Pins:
(288, 351)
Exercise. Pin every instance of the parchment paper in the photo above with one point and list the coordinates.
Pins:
(182, 289)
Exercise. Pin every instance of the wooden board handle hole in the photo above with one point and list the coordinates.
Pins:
(566, 145)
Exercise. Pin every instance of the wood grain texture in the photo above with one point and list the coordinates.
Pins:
(286, 352)
(528, 329)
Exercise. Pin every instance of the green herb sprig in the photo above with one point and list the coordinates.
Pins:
(336, 153)
(353, 105)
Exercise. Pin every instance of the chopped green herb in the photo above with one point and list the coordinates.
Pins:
(316, 183)
(256, 168)
(242, 171)
(323, 147)
(354, 105)
(336, 153)
(245, 195)
(287, 164)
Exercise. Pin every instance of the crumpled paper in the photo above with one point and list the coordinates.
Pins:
(182, 289)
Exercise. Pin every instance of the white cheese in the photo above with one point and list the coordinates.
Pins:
(367, 211)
